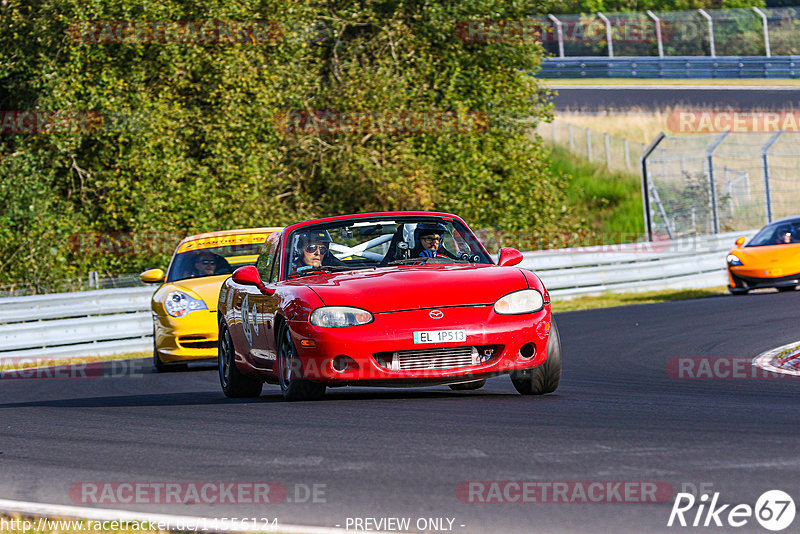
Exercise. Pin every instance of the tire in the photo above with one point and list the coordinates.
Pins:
(737, 291)
(545, 378)
(289, 370)
(234, 384)
(157, 364)
(468, 386)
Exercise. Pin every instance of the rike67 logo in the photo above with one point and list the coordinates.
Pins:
(774, 510)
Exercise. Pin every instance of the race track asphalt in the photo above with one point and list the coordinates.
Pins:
(603, 98)
(618, 416)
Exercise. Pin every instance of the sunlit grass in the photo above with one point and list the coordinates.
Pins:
(609, 203)
(50, 361)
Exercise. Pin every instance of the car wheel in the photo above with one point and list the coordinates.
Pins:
(737, 291)
(468, 386)
(293, 387)
(545, 378)
(234, 383)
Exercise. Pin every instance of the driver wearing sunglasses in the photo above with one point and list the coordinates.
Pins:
(313, 249)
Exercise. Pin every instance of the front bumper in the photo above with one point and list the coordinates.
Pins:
(193, 337)
(384, 353)
(756, 279)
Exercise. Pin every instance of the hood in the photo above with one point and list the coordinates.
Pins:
(206, 287)
(416, 287)
(786, 256)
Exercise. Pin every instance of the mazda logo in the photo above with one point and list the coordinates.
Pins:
(436, 314)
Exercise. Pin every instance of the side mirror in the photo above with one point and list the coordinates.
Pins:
(740, 241)
(248, 276)
(509, 256)
(152, 276)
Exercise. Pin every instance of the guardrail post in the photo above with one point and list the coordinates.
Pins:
(765, 164)
(766, 30)
(648, 223)
(609, 36)
(710, 31)
(553, 126)
(608, 151)
(559, 34)
(710, 156)
(658, 32)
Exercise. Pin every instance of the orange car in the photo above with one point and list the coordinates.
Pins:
(770, 259)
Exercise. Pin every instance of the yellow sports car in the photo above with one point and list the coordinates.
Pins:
(770, 259)
(185, 305)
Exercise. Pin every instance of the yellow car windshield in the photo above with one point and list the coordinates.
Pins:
(212, 261)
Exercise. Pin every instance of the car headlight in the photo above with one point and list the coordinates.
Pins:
(179, 304)
(339, 316)
(733, 259)
(524, 301)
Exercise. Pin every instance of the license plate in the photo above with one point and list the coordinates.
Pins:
(440, 336)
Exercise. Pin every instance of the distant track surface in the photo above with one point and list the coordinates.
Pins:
(621, 97)
(617, 416)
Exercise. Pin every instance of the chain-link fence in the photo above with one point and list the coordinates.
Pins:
(721, 182)
(616, 153)
(713, 32)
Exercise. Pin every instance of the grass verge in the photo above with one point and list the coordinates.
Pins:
(607, 203)
(32, 362)
(626, 299)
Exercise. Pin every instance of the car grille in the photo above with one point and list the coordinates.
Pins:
(196, 342)
(435, 358)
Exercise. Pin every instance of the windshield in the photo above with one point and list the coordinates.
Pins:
(369, 243)
(212, 261)
(780, 233)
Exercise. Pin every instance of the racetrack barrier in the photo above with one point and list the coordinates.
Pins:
(112, 321)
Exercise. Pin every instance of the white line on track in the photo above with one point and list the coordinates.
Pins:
(172, 522)
(681, 87)
(764, 360)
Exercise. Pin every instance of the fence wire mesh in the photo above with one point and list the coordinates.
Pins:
(722, 182)
(614, 152)
(732, 32)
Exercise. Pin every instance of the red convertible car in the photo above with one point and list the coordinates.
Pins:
(384, 299)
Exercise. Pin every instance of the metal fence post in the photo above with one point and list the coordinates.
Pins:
(648, 223)
(608, 151)
(553, 127)
(627, 154)
(710, 156)
(559, 34)
(571, 138)
(765, 163)
(710, 31)
(588, 144)
(658, 32)
(609, 37)
(766, 29)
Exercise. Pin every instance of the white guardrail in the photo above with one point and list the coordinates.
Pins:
(113, 321)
